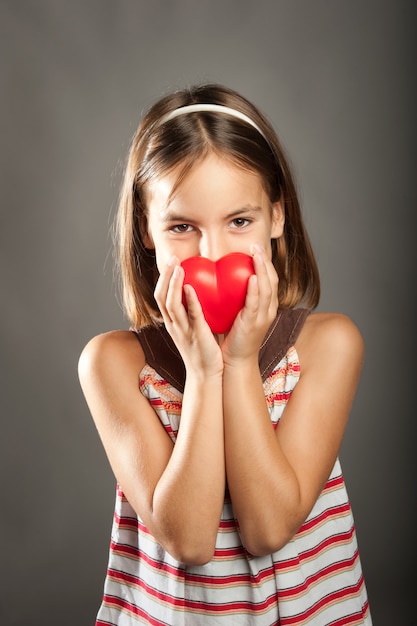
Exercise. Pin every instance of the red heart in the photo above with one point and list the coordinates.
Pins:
(220, 286)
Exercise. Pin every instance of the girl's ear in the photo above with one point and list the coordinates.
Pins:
(278, 220)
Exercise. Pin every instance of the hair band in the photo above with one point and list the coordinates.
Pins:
(215, 108)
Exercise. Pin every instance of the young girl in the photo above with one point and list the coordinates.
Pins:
(231, 507)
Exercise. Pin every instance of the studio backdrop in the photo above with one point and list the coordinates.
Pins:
(337, 80)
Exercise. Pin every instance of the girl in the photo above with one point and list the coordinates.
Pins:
(231, 507)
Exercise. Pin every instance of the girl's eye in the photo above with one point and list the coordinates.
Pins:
(240, 222)
(181, 228)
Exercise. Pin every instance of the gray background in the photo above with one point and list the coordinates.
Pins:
(337, 80)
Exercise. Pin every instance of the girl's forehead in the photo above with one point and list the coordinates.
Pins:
(212, 174)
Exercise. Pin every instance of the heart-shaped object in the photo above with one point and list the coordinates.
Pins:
(220, 286)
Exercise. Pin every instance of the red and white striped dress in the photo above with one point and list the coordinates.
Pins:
(315, 579)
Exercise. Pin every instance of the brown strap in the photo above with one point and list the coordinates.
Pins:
(282, 334)
(162, 354)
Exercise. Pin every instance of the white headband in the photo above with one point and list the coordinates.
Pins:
(193, 108)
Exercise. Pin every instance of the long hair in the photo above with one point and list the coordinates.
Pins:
(157, 148)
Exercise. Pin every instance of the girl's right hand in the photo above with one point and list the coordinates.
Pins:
(188, 328)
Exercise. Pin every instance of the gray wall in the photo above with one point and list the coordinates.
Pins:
(336, 78)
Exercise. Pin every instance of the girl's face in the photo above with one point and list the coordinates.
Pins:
(217, 209)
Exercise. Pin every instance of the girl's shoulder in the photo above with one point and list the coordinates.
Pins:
(334, 323)
(326, 322)
(329, 338)
(111, 353)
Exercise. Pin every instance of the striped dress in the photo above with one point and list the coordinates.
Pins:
(315, 579)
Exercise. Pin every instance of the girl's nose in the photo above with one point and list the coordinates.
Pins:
(213, 247)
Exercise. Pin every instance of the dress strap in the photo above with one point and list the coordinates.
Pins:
(162, 354)
(282, 334)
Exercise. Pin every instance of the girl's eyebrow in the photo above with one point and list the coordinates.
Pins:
(173, 216)
(245, 210)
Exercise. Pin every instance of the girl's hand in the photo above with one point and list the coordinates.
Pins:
(188, 328)
(251, 324)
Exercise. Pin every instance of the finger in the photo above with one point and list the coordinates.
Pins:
(250, 310)
(174, 303)
(195, 311)
(272, 289)
(265, 287)
(162, 285)
(273, 282)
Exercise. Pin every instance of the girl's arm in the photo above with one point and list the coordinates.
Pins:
(177, 491)
(275, 477)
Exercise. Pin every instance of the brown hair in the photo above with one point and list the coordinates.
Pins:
(158, 148)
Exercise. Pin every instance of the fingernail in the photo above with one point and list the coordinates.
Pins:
(176, 271)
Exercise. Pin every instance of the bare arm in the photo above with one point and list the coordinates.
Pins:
(177, 490)
(276, 476)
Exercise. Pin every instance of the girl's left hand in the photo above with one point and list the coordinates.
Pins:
(251, 324)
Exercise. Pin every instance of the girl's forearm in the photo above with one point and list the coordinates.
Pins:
(262, 484)
(188, 498)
